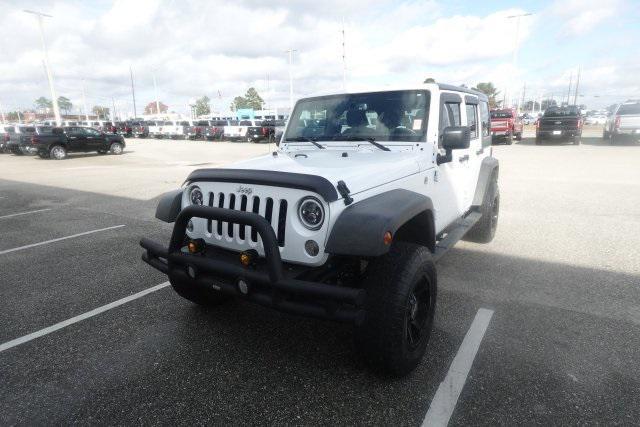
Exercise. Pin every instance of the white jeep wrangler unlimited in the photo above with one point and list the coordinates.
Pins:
(346, 219)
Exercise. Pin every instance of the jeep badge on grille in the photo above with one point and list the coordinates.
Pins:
(245, 190)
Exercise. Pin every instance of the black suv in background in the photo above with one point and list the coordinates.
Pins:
(560, 123)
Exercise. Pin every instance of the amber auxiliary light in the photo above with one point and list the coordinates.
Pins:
(387, 238)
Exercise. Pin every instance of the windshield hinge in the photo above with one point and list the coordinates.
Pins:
(344, 192)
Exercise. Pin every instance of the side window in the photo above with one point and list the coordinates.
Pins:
(91, 132)
(453, 113)
(486, 123)
(472, 120)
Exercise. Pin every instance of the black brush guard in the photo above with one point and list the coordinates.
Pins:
(268, 285)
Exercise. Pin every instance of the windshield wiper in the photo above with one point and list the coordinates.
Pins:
(305, 139)
(370, 140)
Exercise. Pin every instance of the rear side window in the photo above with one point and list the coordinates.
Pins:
(486, 122)
(626, 109)
(472, 120)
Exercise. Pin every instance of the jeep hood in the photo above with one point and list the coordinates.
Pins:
(360, 170)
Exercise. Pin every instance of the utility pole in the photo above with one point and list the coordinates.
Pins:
(84, 103)
(575, 96)
(344, 60)
(2, 112)
(290, 51)
(113, 111)
(524, 91)
(133, 93)
(54, 98)
(514, 59)
(155, 88)
(569, 91)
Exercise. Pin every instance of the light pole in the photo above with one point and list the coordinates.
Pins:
(290, 51)
(133, 93)
(54, 98)
(344, 60)
(514, 59)
(84, 103)
(155, 88)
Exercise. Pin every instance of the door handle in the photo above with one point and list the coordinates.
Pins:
(464, 158)
(480, 151)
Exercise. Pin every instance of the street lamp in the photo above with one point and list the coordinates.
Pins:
(54, 98)
(290, 51)
(517, 44)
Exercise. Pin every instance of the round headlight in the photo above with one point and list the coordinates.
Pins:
(195, 196)
(311, 213)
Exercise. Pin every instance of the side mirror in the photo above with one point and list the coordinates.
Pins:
(454, 138)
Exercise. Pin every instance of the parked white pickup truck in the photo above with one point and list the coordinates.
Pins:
(623, 123)
(237, 129)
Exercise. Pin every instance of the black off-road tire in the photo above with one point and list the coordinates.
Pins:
(509, 139)
(400, 305)
(485, 229)
(519, 136)
(576, 140)
(203, 297)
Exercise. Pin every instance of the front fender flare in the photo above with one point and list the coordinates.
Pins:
(169, 206)
(359, 230)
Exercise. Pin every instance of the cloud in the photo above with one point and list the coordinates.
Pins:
(202, 47)
(580, 17)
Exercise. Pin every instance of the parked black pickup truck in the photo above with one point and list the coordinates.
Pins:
(215, 130)
(263, 131)
(20, 136)
(561, 123)
(73, 139)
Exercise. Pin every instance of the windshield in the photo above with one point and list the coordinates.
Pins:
(561, 111)
(384, 116)
(629, 109)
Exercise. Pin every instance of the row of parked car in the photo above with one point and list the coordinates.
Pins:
(566, 123)
(256, 130)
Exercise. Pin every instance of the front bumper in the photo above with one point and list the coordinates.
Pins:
(269, 283)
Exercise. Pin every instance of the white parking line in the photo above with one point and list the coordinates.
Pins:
(6, 251)
(76, 319)
(24, 213)
(444, 402)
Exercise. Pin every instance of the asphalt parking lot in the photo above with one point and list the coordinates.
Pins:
(561, 279)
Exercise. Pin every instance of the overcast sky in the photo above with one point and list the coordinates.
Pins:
(209, 47)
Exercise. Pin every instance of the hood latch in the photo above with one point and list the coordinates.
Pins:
(344, 192)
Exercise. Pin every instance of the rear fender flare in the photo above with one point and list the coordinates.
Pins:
(488, 170)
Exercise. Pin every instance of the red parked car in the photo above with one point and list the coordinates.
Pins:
(505, 125)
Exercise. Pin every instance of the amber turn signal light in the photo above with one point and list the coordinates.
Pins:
(248, 258)
(387, 238)
(195, 246)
